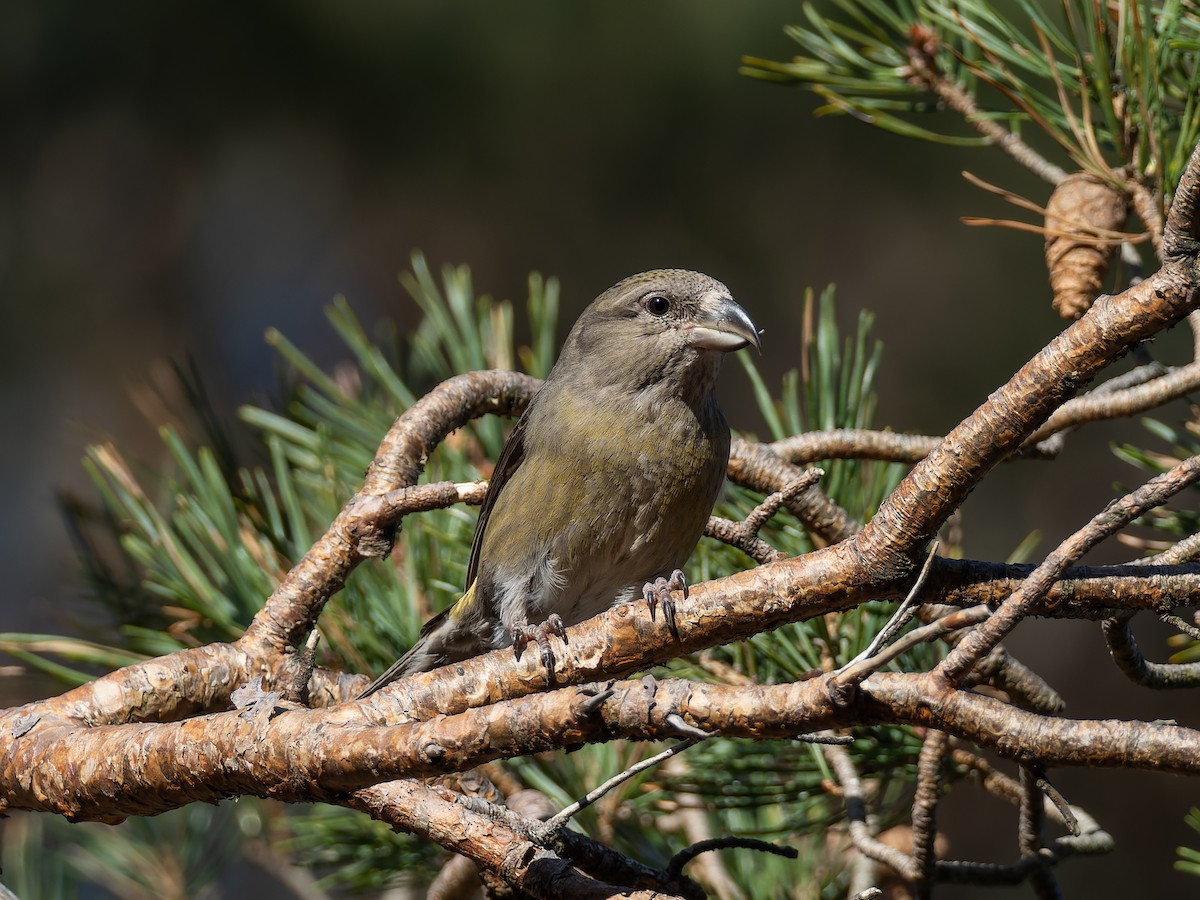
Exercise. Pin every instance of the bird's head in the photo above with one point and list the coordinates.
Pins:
(669, 326)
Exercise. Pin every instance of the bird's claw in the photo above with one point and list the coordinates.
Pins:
(659, 592)
(524, 635)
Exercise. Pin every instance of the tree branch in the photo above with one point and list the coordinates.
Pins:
(110, 772)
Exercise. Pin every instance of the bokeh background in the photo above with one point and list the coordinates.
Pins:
(174, 178)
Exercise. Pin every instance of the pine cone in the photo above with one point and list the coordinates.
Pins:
(1078, 264)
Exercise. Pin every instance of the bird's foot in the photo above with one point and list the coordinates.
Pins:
(524, 635)
(659, 591)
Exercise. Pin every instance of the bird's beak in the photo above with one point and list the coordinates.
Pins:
(722, 325)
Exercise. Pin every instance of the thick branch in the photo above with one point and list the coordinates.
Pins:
(47, 761)
(938, 484)
(1084, 592)
(169, 687)
(881, 555)
(305, 755)
(1181, 237)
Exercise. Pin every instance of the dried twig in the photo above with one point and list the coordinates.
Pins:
(856, 813)
(854, 443)
(1029, 834)
(1116, 516)
(1184, 626)
(555, 824)
(1120, 404)
(295, 687)
(855, 671)
(683, 857)
(756, 467)
(744, 534)
(494, 840)
(904, 613)
(1129, 659)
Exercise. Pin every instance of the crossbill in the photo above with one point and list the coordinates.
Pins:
(607, 480)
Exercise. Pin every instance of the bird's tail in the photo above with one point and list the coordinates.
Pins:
(443, 640)
(415, 660)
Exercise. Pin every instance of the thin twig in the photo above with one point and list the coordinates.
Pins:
(300, 670)
(1097, 407)
(754, 466)
(1032, 813)
(1129, 659)
(733, 533)
(555, 824)
(1025, 688)
(1118, 633)
(744, 534)
(1098, 237)
(1086, 836)
(1176, 622)
(1148, 207)
(824, 737)
(761, 514)
(1182, 551)
(856, 813)
(862, 443)
(854, 443)
(439, 495)
(855, 672)
(496, 837)
(675, 867)
(1137, 391)
(691, 817)
(1059, 801)
(904, 613)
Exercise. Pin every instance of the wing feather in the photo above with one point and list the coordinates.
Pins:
(510, 459)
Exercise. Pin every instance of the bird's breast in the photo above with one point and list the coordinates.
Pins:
(613, 492)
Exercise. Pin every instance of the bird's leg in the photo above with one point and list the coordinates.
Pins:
(659, 591)
(525, 634)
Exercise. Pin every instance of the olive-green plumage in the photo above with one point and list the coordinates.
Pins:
(610, 475)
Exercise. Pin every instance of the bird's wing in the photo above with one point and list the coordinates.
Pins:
(510, 460)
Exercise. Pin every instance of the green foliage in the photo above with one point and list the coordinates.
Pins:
(347, 850)
(182, 853)
(1189, 858)
(1110, 84)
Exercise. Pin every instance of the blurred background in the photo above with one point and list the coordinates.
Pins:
(175, 178)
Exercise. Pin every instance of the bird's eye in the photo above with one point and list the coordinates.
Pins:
(657, 305)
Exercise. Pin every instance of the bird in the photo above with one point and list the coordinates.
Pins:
(607, 480)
